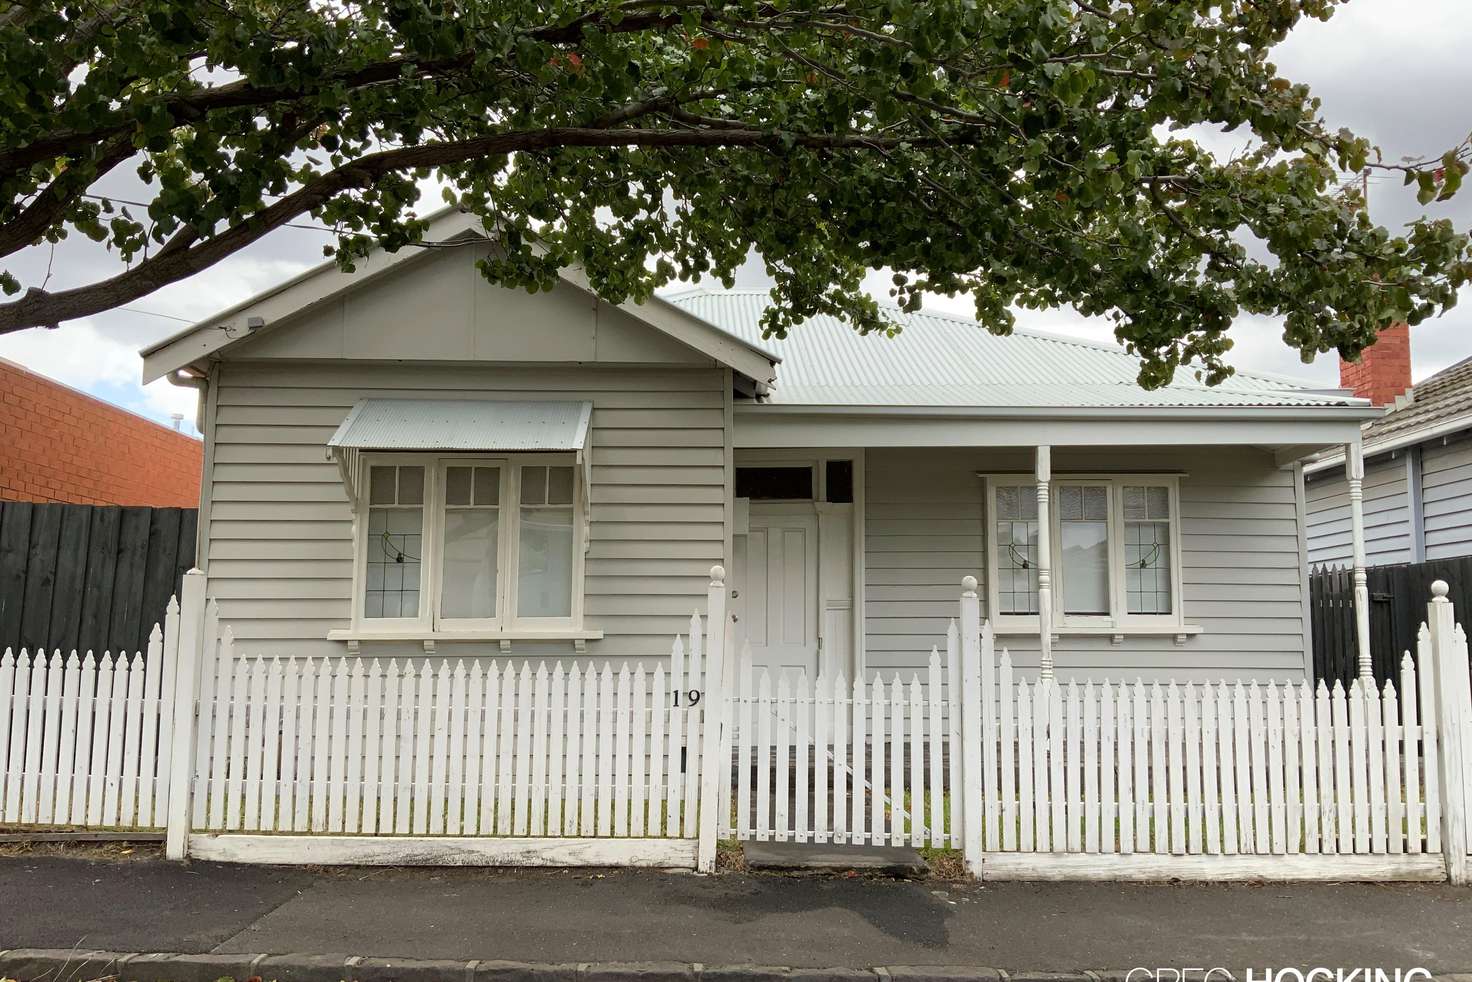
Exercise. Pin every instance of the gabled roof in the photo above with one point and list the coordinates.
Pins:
(1442, 399)
(940, 360)
(449, 226)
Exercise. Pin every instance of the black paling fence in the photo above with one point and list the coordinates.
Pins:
(89, 577)
(1398, 598)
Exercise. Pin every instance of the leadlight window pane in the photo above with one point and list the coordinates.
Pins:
(391, 586)
(1083, 527)
(1016, 531)
(1147, 550)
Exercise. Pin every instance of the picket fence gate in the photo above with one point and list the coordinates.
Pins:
(845, 762)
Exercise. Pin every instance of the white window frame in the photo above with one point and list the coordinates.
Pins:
(429, 624)
(1118, 621)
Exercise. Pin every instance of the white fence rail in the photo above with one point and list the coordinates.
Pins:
(84, 740)
(449, 748)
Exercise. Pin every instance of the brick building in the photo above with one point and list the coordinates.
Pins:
(58, 444)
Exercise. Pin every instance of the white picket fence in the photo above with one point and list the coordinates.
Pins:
(1213, 769)
(449, 748)
(1042, 778)
(846, 763)
(489, 761)
(84, 740)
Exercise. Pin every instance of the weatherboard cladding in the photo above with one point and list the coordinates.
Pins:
(1241, 574)
(942, 360)
(1387, 515)
(280, 545)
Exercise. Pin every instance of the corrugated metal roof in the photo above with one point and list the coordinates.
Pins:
(463, 424)
(943, 360)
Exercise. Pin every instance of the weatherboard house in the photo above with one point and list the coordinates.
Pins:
(410, 460)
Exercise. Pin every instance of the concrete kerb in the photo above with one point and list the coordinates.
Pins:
(81, 965)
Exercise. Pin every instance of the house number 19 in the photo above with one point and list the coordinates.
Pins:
(692, 697)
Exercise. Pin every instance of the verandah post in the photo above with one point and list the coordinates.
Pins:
(1354, 468)
(713, 722)
(181, 748)
(1453, 694)
(972, 728)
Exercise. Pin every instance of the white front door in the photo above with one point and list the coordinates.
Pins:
(777, 587)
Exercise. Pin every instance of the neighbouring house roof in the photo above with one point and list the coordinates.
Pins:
(463, 424)
(941, 360)
(1439, 406)
(1443, 398)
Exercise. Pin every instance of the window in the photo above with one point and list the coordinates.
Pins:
(1147, 540)
(1112, 542)
(1016, 534)
(1083, 539)
(839, 481)
(775, 483)
(470, 544)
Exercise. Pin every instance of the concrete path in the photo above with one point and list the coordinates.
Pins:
(544, 916)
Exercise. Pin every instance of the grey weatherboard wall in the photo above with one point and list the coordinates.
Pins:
(1446, 506)
(1242, 574)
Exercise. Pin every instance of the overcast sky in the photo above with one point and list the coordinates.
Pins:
(1393, 71)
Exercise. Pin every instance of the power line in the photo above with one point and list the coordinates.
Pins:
(155, 313)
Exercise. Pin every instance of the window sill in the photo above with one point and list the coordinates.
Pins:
(1116, 633)
(430, 639)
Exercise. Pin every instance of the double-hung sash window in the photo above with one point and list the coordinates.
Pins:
(469, 543)
(1114, 543)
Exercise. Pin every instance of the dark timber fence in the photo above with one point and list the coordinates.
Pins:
(89, 577)
(1398, 597)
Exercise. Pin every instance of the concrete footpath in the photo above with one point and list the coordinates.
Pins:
(474, 918)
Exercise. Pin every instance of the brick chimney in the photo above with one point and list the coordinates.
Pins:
(1384, 368)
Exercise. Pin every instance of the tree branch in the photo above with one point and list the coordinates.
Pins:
(182, 257)
(53, 200)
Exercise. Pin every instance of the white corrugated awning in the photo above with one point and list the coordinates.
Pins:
(463, 424)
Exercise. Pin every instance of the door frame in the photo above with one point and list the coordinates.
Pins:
(817, 459)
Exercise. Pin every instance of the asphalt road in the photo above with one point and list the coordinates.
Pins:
(556, 916)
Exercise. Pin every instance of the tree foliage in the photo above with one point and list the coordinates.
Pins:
(1025, 152)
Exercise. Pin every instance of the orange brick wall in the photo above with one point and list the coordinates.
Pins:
(57, 444)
